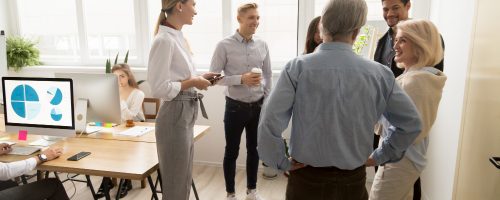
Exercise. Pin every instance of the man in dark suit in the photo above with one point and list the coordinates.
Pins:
(395, 11)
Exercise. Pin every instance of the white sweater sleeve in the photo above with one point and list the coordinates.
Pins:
(133, 108)
(15, 169)
(159, 70)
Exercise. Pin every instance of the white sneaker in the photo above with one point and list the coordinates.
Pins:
(231, 197)
(253, 195)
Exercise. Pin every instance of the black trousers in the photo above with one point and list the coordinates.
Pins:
(51, 189)
(327, 183)
(239, 116)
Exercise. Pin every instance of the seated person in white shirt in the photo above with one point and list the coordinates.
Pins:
(50, 189)
(131, 96)
(131, 109)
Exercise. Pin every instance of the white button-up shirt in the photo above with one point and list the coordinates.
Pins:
(15, 169)
(170, 63)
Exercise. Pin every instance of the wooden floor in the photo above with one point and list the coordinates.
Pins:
(209, 182)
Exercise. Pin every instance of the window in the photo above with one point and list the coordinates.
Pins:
(55, 29)
(110, 31)
(87, 32)
(278, 27)
(80, 32)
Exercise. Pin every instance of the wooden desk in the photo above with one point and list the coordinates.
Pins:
(110, 158)
(110, 133)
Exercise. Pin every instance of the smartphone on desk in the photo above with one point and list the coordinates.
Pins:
(78, 156)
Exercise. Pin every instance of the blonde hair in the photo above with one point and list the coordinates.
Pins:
(126, 69)
(167, 6)
(245, 7)
(342, 17)
(425, 39)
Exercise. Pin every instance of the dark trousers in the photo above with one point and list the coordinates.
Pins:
(327, 183)
(417, 191)
(51, 189)
(239, 116)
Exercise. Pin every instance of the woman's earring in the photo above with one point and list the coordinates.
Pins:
(180, 10)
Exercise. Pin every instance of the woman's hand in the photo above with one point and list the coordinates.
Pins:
(210, 75)
(370, 162)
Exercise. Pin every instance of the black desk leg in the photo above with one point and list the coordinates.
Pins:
(153, 189)
(119, 188)
(194, 189)
(91, 187)
(24, 180)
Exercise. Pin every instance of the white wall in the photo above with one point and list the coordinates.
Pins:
(454, 19)
(4, 16)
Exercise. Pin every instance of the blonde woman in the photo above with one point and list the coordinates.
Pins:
(172, 77)
(418, 48)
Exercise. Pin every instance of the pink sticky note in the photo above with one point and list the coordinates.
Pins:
(23, 135)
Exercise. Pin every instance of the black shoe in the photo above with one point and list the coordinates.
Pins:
(125, 187)
(100, 193)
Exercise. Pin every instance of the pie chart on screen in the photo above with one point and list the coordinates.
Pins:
(55, 95)
(25, 101)
(56, 114)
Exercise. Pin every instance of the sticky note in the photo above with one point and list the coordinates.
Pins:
(108, 125)
(98, 124)
(23, 135)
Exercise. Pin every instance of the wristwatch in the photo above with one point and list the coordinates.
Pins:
(42, 157)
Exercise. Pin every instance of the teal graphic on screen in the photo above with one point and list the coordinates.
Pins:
(25, 101)
(40, 102)
(55, 95)
(56, 114)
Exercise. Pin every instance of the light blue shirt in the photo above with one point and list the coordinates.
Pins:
(335, 98)
(236, 56)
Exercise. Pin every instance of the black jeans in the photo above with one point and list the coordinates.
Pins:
(51, 189)
(327, 183)
(239, 116)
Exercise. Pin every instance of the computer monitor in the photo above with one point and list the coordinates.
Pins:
(97, 98)
(41, 106)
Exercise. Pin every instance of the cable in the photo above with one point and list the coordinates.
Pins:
(74, 186)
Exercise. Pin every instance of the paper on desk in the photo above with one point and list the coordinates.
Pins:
(7, 142)
(137, 131)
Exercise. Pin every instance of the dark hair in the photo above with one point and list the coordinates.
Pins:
(311, 31)
(126, 69)
(402, 1)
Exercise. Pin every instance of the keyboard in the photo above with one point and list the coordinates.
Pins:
(23, 150)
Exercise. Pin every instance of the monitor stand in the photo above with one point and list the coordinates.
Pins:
(81, 115)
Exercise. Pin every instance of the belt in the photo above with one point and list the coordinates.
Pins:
(192, 96)
(245, 104)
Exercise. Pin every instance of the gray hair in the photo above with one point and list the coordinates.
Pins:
(342, 17)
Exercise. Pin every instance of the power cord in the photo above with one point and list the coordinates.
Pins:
(74, 185)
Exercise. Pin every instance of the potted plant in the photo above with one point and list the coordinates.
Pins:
(108, 62)
(21, 52)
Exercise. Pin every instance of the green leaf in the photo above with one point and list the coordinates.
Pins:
(21, 52)
(116, 58)
(108, 66)
(126, 57)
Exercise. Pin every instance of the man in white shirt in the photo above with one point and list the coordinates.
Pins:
(44, 189)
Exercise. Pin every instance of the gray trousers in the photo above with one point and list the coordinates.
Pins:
(174, 143)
